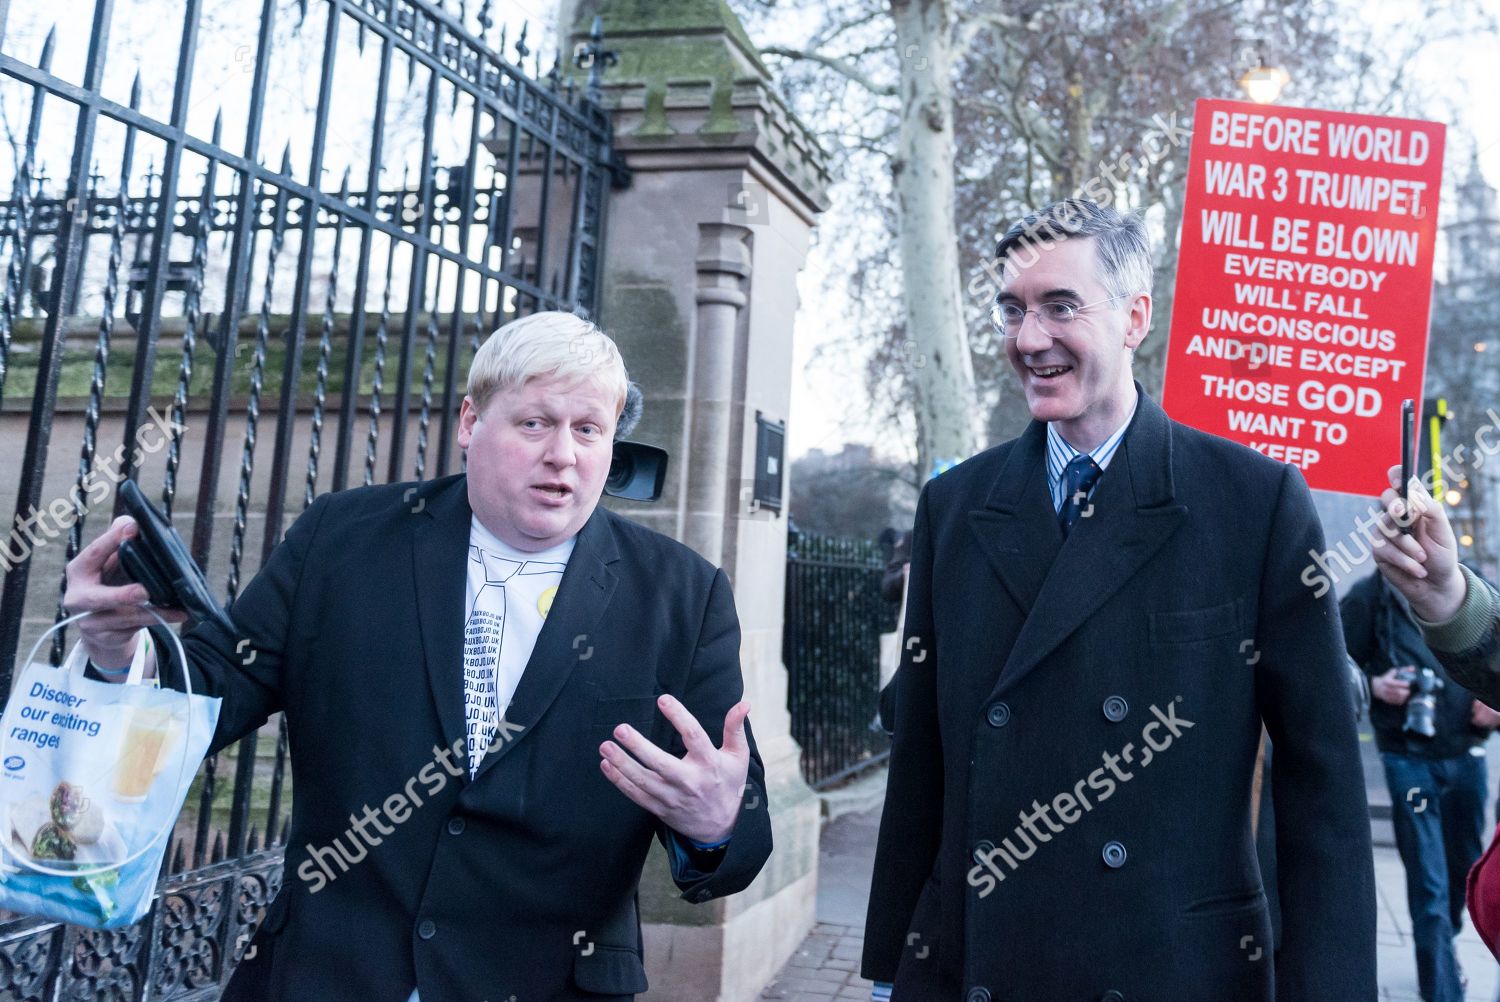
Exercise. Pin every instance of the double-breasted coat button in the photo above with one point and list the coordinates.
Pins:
(978, 995)
(998, 714)
(1115, 709)
(1112, 996)
(1114, 855)
(455, 826)
(427, 929)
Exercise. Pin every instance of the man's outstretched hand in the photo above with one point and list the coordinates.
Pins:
(96, 582)
(1422, 566)
(698, 795)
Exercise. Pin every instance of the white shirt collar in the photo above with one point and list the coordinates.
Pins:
(1060, 453)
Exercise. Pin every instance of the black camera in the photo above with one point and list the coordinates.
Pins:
(1421, 708)
(637, 472)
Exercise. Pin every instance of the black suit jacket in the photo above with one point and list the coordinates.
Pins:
(1171, 620)
(522, 882)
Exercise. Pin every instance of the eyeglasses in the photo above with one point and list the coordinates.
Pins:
(1053, 318)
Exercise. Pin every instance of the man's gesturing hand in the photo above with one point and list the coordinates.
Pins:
(697, 795)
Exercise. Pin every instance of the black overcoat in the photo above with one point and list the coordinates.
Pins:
(1068, 809)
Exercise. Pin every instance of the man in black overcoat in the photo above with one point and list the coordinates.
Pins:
(1102, 615)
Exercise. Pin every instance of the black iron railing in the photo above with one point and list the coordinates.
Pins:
(173, 287)
(831, 648)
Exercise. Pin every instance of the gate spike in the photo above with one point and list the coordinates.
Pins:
(521, 50)
(48, 46)
(286, 159)
(218, 125)
(135, 91)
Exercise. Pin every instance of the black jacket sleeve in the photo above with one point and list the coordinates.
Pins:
(246, 671)
(714, 685)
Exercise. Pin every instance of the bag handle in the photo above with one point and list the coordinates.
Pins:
(136, 668)
(77, 662)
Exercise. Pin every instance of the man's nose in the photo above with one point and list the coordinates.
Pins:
(1030, 338)
(560, 450)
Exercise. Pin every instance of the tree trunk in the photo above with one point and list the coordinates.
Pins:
(1151, 357)
(938, 350)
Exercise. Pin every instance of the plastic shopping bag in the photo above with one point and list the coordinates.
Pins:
(92, 777)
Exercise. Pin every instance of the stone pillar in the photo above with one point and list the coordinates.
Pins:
(701, 257)
(723, 266)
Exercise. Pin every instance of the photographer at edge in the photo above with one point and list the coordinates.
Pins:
(1431, 733)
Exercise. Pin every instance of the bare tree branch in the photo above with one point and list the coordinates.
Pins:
(840, 66)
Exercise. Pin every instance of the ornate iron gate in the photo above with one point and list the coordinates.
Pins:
(434, 188)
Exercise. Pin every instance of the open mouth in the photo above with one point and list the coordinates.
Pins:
(1048, 371)
(556, 492)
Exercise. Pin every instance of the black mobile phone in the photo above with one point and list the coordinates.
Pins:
(159, 559)
(1408, 455)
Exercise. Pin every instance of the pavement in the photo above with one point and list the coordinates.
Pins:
(826, 966)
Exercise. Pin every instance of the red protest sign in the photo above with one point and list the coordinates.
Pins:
(1304, 285)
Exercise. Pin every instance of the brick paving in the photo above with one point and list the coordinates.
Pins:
(825, 967)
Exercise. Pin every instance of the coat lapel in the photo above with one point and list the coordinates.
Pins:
(568, 636)
(1135, 514)
(1017, 529)
(440, 553)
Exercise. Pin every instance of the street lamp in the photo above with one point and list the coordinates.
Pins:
(1264, 83)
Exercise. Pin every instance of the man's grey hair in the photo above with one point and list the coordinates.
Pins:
(1120, 240)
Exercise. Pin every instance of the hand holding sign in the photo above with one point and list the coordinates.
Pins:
(697, 795)
(1423, 566)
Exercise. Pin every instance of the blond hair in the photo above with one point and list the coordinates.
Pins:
(553, 345)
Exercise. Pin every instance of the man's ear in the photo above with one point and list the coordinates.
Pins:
(467, 415)
(1140, 320)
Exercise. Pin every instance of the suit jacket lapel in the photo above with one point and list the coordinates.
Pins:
(440, 547)
(568, 636)
(1017, 529)
(1135, 515)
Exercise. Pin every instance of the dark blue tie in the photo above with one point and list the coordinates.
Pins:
(1079, 477)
